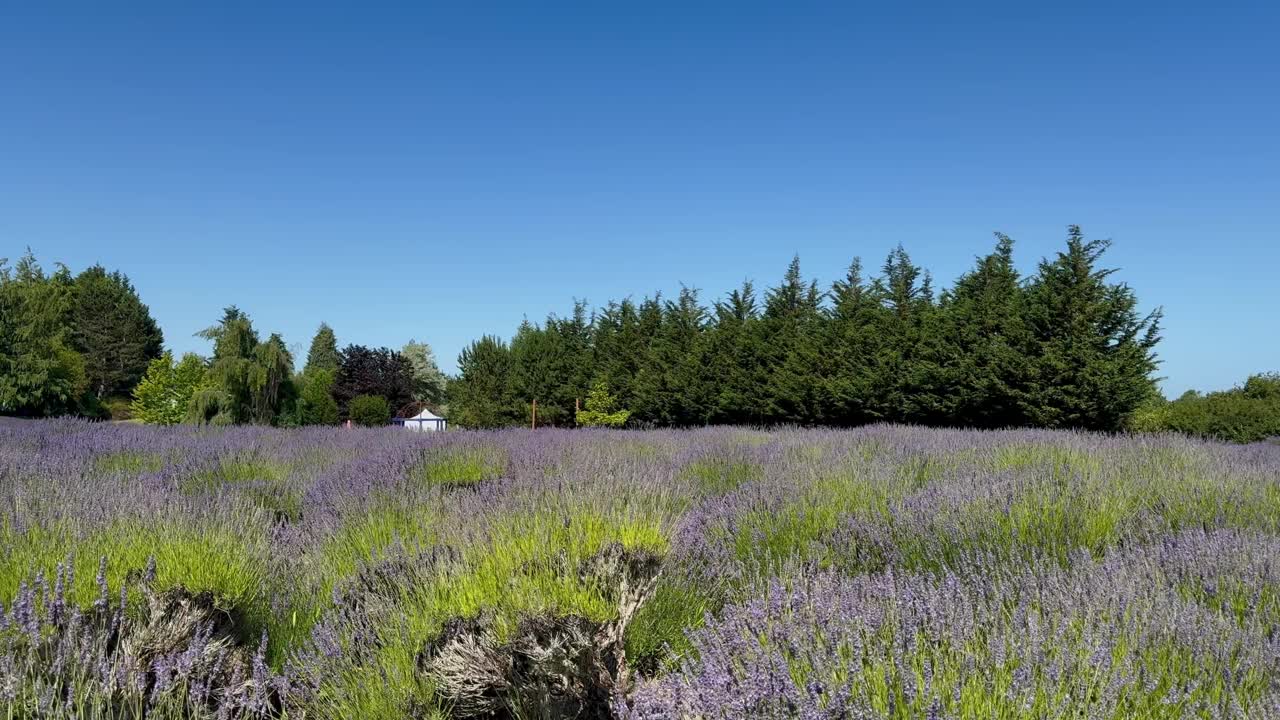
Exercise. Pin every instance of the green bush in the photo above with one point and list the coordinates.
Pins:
(370, 410)
(602, 409)
(1244, 414)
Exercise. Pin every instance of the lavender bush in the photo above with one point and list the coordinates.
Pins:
(881, 572)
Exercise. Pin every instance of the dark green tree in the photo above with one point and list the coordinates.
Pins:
(113, 330)
(853, 344)
(908, 377)
(791, 343)
(987, 350)
(735, 362)
(41, 373)
(1095, 354)
(481, 395)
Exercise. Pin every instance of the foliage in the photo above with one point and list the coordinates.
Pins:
(165, 392)
(113, 330)
(40, 371)
(481, 396)
(429, 383)
(323, 354)
(1093, 354)
(1244, 414)
(602, 409)
(370, 410)
(249, 381)
(879, 572)
(366, 371)
(316, 405)
(1063, 348)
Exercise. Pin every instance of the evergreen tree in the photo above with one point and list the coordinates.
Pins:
(113, 331)
(1095, 359)
(853, 346)
(791, 344)
(323, 354)
(481, 397)
(429, 383)
(988, 361)
(41, 374)
(316, 405)
(678, 390)
(618, 349)
(907, 372)
(735, 359)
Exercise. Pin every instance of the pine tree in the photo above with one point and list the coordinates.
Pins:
(792, 349)
(853, 343)
(113, 330)
(1095, 359)
(323, 354)
(735, 359)
(480, 397)
(907, 370)
(987, 344)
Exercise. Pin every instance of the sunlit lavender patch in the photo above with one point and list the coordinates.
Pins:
(887, 572)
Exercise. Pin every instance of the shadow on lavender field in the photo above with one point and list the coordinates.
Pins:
(885, 572)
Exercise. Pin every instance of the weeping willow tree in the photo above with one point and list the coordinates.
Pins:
(248, 380)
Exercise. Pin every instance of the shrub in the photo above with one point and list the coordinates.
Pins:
(370, 410)
(1244, 414)
(602, 409)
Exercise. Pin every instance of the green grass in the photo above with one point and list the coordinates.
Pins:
(461, 467)
(719, 475)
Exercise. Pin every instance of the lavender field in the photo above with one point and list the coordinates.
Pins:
(886, 572)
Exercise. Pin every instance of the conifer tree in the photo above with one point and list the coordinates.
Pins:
(852, 339)
(323, 354)
(481, 397)
(791, 348)
(113, 331)
(1095, 358)
(987, 344)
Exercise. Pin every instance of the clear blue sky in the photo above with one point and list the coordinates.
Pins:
(437, 172)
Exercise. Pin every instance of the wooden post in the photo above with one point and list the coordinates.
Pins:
(534, 424)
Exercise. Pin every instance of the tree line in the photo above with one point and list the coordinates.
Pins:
(87, 345)
(1063, 348)
(248, 380)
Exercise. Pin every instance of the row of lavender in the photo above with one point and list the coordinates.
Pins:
(884, 572)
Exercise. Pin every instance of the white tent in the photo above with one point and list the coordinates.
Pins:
(425, 421)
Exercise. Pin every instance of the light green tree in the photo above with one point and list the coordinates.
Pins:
(602, 409)
(164, 394)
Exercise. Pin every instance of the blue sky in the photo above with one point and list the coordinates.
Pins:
(440, 170)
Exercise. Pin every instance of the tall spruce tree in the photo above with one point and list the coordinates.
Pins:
(987, 348)
(852, 345)
(792, 349)
(908, 373)
(481, 395)
(323, 354)
(735, 359)
(113, 331)
(1095, 354)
